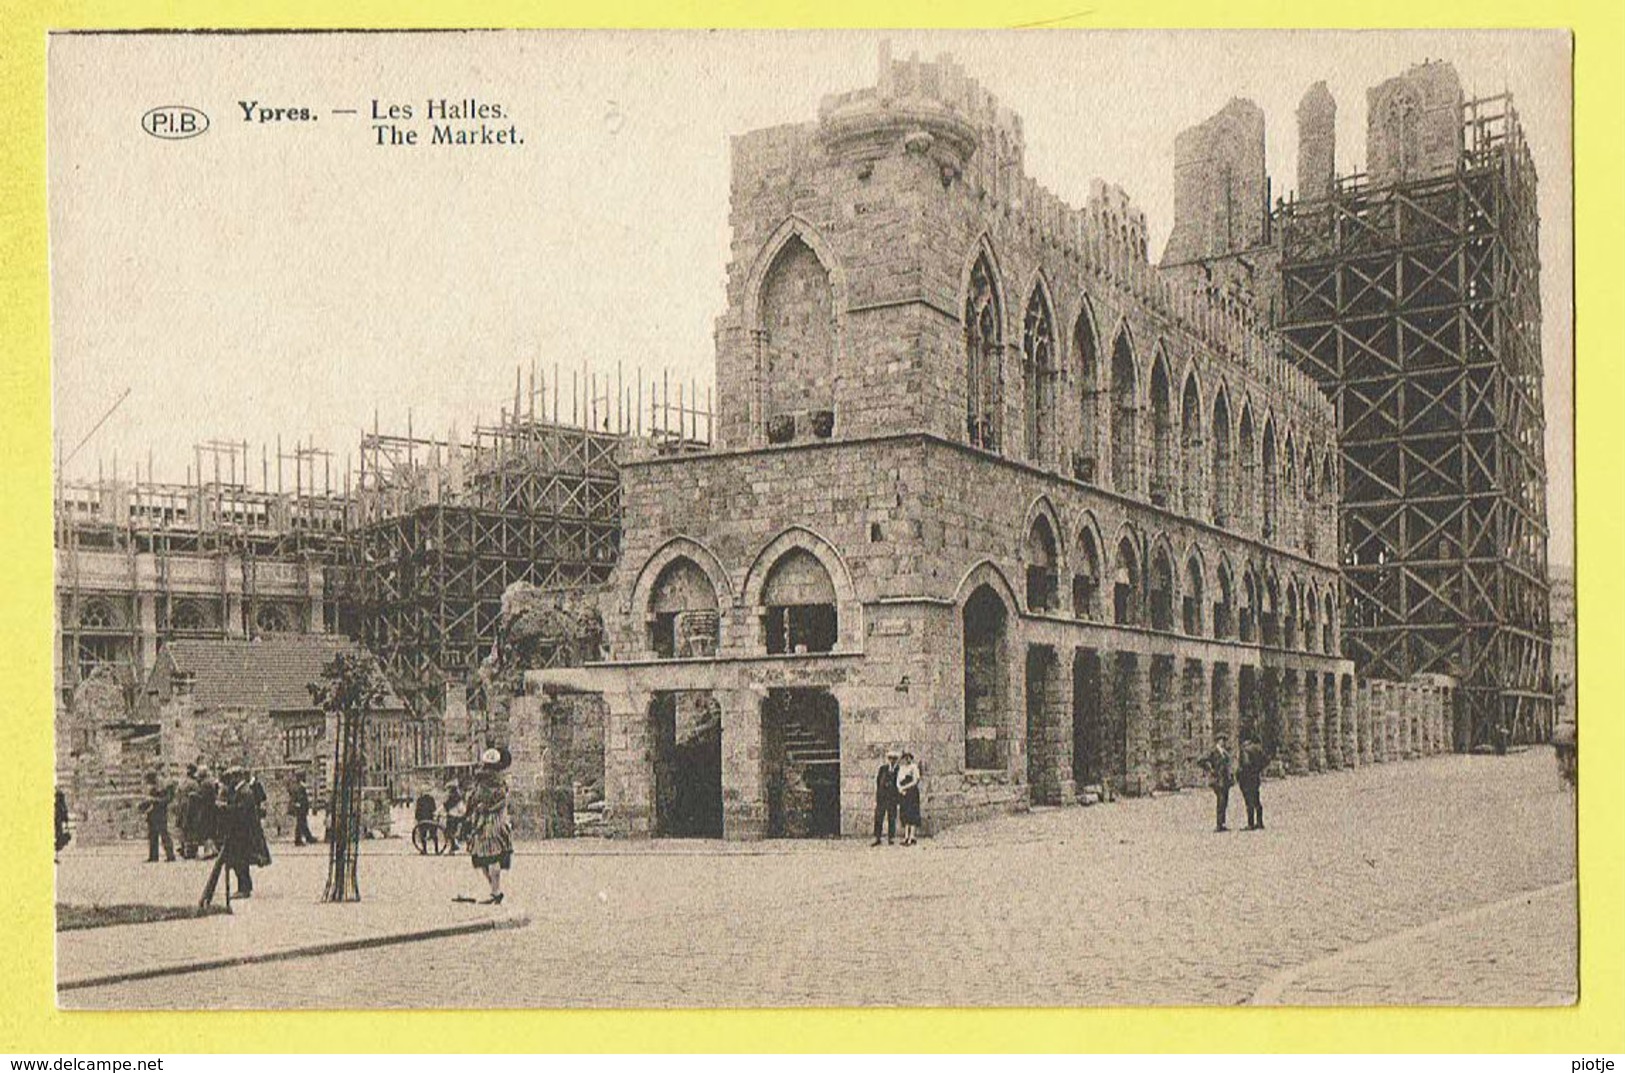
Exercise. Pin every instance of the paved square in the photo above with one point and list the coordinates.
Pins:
(1138, 902)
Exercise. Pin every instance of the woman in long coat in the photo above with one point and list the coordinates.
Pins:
(908, 798)
(490, 840)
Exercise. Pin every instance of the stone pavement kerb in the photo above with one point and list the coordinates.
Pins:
(254, 933)
(1276, 989)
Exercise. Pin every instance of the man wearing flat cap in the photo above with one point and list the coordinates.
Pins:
(886, 797)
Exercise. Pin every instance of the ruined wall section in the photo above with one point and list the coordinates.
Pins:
(1414, 124)
(1221, 190)
(898, 189)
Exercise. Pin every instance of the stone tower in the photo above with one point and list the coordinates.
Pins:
(1221, 192)
(1317, 143)
(1413, 124)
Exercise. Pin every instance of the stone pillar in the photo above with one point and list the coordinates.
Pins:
(1197, 704)
(629, 774)
(1167, 716)
(1058, 728)
(1350, 720)
(744, 801)
(1134, 705)
(1222, 702)
(1393, 712)
(1294, 743)
(1049, 730)
(1362, 715)
(1334, 722)
(1314, 721)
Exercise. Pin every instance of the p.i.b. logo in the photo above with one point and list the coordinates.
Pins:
(173, 122)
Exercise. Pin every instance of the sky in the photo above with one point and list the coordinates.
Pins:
(295, 278)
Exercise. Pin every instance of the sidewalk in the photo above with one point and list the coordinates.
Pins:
(283, 920)
(1519, 951)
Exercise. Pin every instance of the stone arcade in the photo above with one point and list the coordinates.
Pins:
(987, 486)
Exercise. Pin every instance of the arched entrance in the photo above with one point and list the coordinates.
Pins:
(987, 681)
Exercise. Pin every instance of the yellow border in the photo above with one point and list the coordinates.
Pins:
(29, 1021)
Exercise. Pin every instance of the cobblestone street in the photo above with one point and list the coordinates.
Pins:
(1136, 902)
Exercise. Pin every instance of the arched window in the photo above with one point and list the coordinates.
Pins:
(984, 345)
(97, 615)
(683, 614)
(1162, 590)
(1190, 446)
(189, 615)
(1329, 496)
(1191, 606)
(1220, 485)
(1162, 434)
(1125, 416)
(1286, 495)
(1247, 486)
(798, 344)
(1086, 580)
(1311, 504)
(1311, 620)
(1043, 578)
(1040, 376)
(1086, 461)
(799, 600)
(1224, 605)
(1126, 585)
(1289, 630)
(1269, 617)
(1328, 626)
(270, 618)
(1272, 488)
(1247, 619)
(987, 681)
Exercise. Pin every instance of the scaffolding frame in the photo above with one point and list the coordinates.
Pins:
(1416, 305)
(446, 525)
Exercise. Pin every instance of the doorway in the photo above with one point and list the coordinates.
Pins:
(686, 732)
(801, 760)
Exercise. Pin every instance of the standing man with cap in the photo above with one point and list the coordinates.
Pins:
(1218, 766)
(886, 798)
(1250, 776)
(490, 840)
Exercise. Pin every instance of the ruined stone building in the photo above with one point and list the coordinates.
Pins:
(1410, 291)
(987, 486)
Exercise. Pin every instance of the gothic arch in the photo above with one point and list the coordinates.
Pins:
(987, 573)
(1124, 401)
(1084, 356)
(799, 536)
(679, 548)
(1160, 403)
(985, 333)
(793, 227)
(1088, 560)
(1040, 374)
(1161, 584)
(1221, 468)
(1191, 443)
(1192, 609)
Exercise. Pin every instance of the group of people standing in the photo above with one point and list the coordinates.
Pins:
(1246, 770)
(897, 798)
(216, 818)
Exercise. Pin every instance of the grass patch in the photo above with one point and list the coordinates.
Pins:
(77, 917)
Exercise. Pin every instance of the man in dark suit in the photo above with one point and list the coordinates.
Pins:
(156, 809)
(1249, 775)
(1218, 766)
(886, 798)
(299, 809)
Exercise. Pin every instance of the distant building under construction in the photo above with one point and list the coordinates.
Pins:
(1411, 294)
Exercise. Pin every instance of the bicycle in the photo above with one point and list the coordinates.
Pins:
(430, 835)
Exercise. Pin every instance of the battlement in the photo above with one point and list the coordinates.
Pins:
(934, 108)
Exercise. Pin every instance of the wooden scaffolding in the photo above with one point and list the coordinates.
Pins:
(1416, 305)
